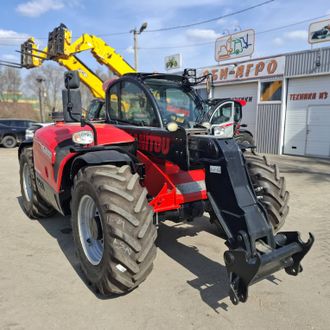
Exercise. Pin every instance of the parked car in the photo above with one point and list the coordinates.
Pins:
(12, 131)
(29, 132)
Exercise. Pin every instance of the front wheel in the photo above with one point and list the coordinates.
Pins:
(113, 230)
(270, 189)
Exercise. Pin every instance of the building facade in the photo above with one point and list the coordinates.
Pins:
(288, 100)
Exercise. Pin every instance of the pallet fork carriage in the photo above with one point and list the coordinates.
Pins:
(116, 177)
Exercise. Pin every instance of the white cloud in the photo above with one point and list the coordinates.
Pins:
(201, 35)
(298, 34)
(35, 8)
(278, 41)
(12, 37)
(130, 50)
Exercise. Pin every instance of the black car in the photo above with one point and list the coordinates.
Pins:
(12, 131)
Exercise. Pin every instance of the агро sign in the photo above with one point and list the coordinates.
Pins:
(267, 67)
(235, 45)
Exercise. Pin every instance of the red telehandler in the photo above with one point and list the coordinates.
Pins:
(119, 178)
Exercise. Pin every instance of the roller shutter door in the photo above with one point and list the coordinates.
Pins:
(307, 124)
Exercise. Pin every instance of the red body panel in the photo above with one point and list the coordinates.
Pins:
(166, 182)
(48, 138)
(170, 186)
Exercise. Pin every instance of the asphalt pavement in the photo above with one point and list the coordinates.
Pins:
(41, 286)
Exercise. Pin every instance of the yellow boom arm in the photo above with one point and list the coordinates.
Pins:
(61, 50)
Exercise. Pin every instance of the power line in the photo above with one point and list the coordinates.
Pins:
(257, 33)
(162, 29)
(211, 19)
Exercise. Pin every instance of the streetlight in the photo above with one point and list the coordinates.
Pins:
(135, 34)
(40, 80)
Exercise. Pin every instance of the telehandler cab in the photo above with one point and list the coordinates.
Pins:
(118, 179)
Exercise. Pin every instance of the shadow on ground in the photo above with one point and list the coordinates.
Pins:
(211, 276)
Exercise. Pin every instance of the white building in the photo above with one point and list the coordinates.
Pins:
(288, 100)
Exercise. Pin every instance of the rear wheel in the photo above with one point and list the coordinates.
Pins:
(113, 230)
(34, 206)
(9, 141)
(269, 187)
(245, 139)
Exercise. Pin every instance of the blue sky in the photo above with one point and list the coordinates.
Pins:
(21, 18)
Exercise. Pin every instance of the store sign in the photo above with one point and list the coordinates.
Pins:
(247, 70)
(173, 62)
(319, 31)
(308, 96)
(235, 45)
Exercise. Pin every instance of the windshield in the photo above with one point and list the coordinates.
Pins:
(176, 102)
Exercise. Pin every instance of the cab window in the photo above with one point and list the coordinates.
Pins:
(223, 114)
(133, 106)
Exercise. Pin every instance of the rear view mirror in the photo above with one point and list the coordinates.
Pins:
(71, 80)
(72, 105)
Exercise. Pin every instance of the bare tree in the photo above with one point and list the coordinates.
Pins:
(49, 78)
(10, 84)
(52, 84)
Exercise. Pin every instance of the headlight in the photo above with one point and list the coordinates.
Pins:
(219, 131)
(29, 134)
(83, 137)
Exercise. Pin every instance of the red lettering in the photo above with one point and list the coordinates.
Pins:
(215, 74)
(165, 145)
(157, 143)
(223, 73)
(248, 69)
(239, 71)
(259, 67)
(271, 66)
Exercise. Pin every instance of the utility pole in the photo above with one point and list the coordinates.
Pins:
(42, 115)
(135, 36)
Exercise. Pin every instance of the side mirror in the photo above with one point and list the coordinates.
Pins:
(71, 80)
(71, 97)
(71, 105)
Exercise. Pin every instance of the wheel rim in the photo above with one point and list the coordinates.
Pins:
(10, 142)
(90, 230)
(27, 183)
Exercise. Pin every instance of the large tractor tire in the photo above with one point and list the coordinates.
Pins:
(245, 139)
(270, 189)
(113, 229)
(34, 206)
(9, 141)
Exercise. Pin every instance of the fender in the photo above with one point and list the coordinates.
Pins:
(101, 157)
(245, 131)
(24, 144)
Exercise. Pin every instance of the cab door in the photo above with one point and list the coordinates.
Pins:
(222, 120)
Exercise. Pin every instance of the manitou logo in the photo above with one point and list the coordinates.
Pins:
(153, 143)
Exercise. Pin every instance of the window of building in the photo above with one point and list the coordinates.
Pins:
(271, 91)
